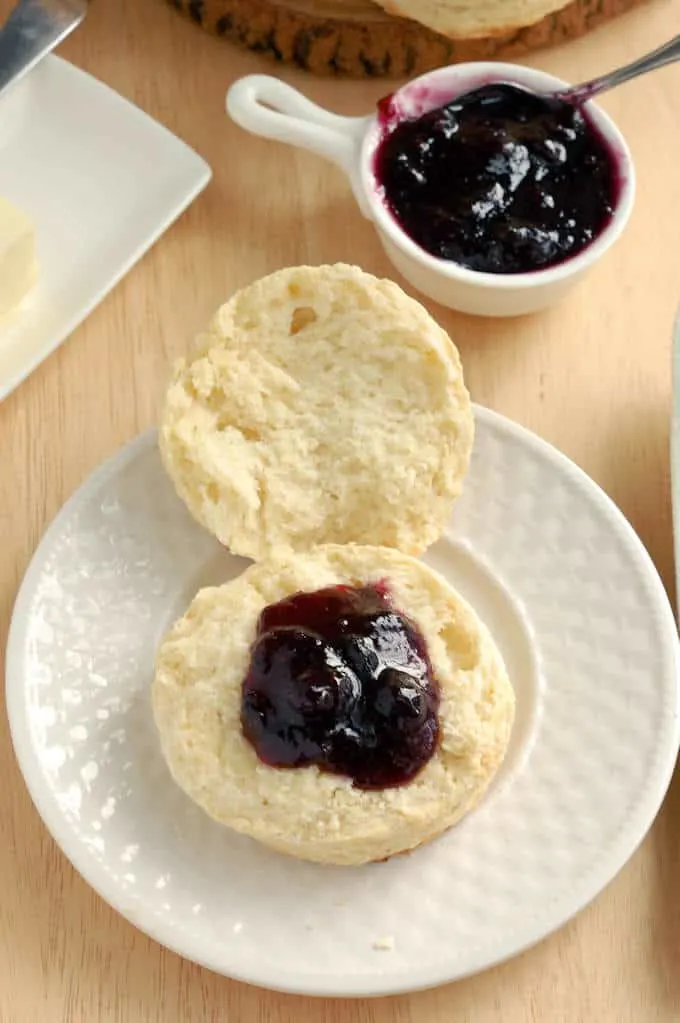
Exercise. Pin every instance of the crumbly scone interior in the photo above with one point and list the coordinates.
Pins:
(321, 406)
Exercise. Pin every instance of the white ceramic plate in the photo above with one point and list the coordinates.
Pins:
(101, 182)
(590, 643)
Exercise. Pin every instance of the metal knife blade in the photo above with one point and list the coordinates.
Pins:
(33, 29)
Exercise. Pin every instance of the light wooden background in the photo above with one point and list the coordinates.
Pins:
(592, 376)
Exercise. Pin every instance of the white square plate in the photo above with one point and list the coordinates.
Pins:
(101, 182)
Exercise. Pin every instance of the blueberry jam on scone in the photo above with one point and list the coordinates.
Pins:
(341, 679)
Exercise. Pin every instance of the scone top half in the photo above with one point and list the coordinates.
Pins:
(322, 406)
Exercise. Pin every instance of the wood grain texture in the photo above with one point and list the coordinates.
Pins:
(356, 38)
(592, 376)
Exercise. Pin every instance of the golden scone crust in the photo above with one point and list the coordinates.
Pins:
(305, 812)
(322, 406)
(474, 19)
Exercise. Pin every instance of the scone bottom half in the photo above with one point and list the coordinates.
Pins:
(322, 405)
(341, 705)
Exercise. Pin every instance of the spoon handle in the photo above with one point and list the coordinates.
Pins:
(665, 54)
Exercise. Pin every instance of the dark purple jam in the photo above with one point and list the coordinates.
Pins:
(340, 679)
(500, 180)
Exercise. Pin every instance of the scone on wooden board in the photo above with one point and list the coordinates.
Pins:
(210, 688)
(359, 39)
(323, 405)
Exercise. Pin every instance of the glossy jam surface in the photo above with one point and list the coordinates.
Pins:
(500, 180)
(340, 679)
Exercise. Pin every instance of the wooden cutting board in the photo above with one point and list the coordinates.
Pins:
(357, 38)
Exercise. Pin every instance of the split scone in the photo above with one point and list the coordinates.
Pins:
(340, 705)
(322, 406)
(474, 19)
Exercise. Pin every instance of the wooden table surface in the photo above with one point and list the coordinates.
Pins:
(592, 376)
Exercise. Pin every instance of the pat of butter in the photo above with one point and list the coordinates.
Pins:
(18, 266)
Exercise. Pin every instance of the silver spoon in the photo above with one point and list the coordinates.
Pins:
(666, 54)
(33, 28)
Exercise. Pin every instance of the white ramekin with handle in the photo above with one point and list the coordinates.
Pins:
(268, 107)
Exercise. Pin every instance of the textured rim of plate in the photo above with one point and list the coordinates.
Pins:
(630, 837)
